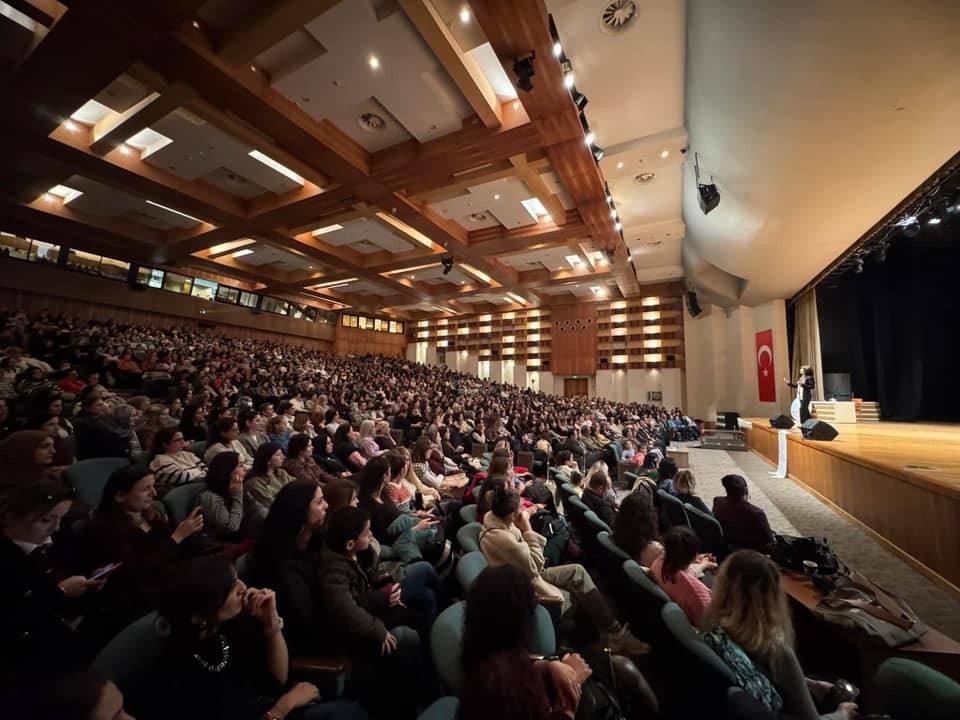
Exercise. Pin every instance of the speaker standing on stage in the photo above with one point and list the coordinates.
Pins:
(804, 384)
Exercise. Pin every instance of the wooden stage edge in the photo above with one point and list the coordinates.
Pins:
(863, 478)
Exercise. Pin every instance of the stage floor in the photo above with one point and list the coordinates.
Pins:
(925, 453)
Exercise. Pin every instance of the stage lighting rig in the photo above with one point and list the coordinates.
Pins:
(447, 262)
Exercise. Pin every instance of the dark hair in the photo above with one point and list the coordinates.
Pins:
(244, 418)
(650, 461)
(484, 495)
(371, 477)
(500, 614)
(287, 516)
(680, 548)
(599, 480)
(576, 478)
(735, 486)
(219, 472)
(397, 462)
(261, 458)
(188, 418)
(89, 400)
(339, 493)
(329, 415)
(297, 444)
(500, 465)
(564, 456)
(284, 406)
(163, 437)
(667, 469)
(199, 586)
(37, 420)
(222, 427)
(35, 498)
(503, 502)
(636, 523)
(419, 452)
(121, 480)
(342, 435)
(345, 525)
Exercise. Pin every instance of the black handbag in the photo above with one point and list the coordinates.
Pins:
(790, 552)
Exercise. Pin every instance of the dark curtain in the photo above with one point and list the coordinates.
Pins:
(894, 327)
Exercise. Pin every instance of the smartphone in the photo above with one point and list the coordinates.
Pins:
(104, 571)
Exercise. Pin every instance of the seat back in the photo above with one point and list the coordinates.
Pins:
(594, 520)
(643, 602)
(673, 507)
(131, 657)
(243, 565)
(469, 567)
(610, 559)
(468, 513)
(525, 458)
(199, 448)
(692, 658)
(478, 449)
(89, 477)
(708, 529)
(741, 705)
(180, 501)
(910, 690)
(576, 507)
(468, 537)
(568, 489)
(446, 708)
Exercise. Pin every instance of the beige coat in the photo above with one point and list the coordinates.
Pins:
(504, 544)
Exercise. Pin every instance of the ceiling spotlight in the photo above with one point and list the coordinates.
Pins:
(665, 154)
(597, 153)
(613, 214)
(196, 24)
(447, 262)
(933, 221)
(858, 265)
(374, 62)
(71, 125)
(524, 70)
(620, 165)
(496, 196)
(568, 80)
(589, 138)
(618, 226)
(579, 99)
(465, 15)
(557, 49)
(910, 226)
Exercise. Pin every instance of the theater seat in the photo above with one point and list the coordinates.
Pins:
(908, 690)
(694, 664)
(468, 537)
(469, 567)
(446, 708)
(468, 513)
(709, 531)
(180, 501)
(131, 657)
(594, 520)
(673, 508)
(89, 477)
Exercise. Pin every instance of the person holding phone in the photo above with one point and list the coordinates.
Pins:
(50, 615)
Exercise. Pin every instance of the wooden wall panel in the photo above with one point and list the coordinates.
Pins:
(574, 334)
(918, 521)
(354, 341)
(33, 287)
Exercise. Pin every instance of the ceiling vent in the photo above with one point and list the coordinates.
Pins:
(479, 217)
(618, 15)
(371, 122)
(644, 178)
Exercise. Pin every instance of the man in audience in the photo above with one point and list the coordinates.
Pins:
(600, 498)
(744, 525)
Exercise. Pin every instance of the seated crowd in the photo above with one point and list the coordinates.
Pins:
(273, 504)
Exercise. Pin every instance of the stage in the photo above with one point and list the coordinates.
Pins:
(901, 481)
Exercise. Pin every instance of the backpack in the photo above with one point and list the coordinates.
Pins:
(748, 676)
(555, 529)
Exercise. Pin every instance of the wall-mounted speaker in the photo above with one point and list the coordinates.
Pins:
(693, 306)
(814, 429)
(781, 422)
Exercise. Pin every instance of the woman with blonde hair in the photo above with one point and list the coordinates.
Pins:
(368, 445)
(382, 436)
(685, 488)
(749, 615)
(430, 495)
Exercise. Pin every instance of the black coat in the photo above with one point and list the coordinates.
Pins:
(602, 505)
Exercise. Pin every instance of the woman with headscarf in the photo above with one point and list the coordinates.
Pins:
(26, 457)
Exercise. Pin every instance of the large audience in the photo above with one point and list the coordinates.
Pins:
(272, 509)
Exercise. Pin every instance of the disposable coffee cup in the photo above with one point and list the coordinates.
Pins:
(810, 567)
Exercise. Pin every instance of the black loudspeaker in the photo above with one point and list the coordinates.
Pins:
(781, 422)
(709, 197)
(731, 420)
(818, 430)
(693, 306)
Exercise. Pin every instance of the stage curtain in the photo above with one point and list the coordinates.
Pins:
(806, 340)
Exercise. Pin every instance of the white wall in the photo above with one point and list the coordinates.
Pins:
(721, 363)
(633, 385)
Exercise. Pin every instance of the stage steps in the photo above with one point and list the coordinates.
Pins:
(868, 412)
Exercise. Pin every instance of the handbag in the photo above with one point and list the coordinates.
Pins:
(873, 614)
(790, 552)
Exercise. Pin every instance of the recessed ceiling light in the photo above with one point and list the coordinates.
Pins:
(613, 214)
(71, 126)
(64, 193)
(125, 149)
(933, 221)
(411, 277)
(374, 62)
(665, 153)
(618, 227)
(309, 267)
(465, 15)
(496, 196)
(547, 218)
(516, 104)
(253, 67)
(175, 212)
(274, 165)
(195, 24)
(620, 165)
(327, 229)
(241, 253)
(568, 80)
(589, 138)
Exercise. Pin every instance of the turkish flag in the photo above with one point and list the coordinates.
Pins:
(766, 375)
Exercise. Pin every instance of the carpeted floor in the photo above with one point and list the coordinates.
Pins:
(794, 511)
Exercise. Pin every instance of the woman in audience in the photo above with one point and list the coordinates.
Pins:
(191, 424)
(636, 532)
(499, 623)
(278, 430)
(326, 458)
(345, 448)
(49, 423)
(382, 436)
(302, 425)
(172, 465)
(341, 493)
(430, 496)
(744, 524)
(225, 437)
(267, 476)
(508, 539)
(49, 615)
(685, 488)
(227, 657)
(368, 443)
(666, 471)
(675, 572)
(225, 517)
(750, 609)
(300, 463)
(30, 455)
(421, 465)
(600, 498)
(251, 435)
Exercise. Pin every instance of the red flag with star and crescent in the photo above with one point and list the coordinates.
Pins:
(766, 375)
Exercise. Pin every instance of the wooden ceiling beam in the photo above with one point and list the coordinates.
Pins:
(45, 12)
(541, 236)
(538, 188)
(116, 128)
(268, 24)
(462, 68)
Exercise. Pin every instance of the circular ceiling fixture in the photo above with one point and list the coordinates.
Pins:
(478, 217)
(618, 15)
(644, 178)
(371, 122)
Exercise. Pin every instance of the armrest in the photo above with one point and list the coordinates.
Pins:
(320, 665)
